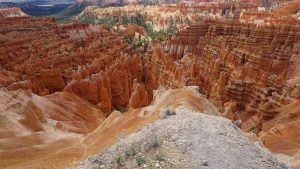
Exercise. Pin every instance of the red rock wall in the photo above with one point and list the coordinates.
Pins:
(38, 55)
(235, 64)
(44, 55)
(232, 63)
(109, 81)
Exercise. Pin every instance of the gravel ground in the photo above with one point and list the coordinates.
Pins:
(185, 140)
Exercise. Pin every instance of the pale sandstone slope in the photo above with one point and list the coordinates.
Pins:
(65, 152)
(34, 127)
(191, 140)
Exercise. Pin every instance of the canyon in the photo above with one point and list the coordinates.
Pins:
(161, 16)
(69, 91)
(249, 83)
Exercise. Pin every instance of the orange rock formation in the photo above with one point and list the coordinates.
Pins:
(11, 13)
(63, 86)
(33, 126)
(87, 60)
(242, 68)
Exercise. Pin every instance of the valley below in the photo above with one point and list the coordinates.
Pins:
(142, 84)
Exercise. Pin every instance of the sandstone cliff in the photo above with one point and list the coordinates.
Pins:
(232, 63)
(243, 69)
(78, 58)
(69, 90)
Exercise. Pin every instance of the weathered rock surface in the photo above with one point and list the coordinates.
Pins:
(283, 13)
(33, 117)
(247, 66)
(159, 17)
(87, 60)
(62, 144)
(109, 81)
(139, 96)
(230, 62)
(196, 141)
(247, 71)
(34, 127)
(11, 13)
(280, 134)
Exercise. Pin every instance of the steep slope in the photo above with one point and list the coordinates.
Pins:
(73, 76)
(185, 139)
(41, 126)
(231, 64)
(248, 72)
(88, 60)
(281, 134)
(116, 126)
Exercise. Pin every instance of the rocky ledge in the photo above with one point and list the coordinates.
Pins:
(185, 139)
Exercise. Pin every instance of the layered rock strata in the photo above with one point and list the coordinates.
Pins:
(249, 71)
(96, 64)
(11, 13)
(232, 63)
(33, 127)
(68, 132)
(111, 82)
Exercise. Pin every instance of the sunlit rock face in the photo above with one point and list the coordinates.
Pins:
(39, 60)
(33, 127)
(11, 13)
(287, 13)
(90, 61)
(280, 134)
(57, 130)
(109, 81)
(229, 62)
(244, 69)
(159, 16)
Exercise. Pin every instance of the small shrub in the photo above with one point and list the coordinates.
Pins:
(283, 166)
(140, 160)
(252, 129)
(122, 109)
(130, 152)
(133, 152)
(154, 143)
(159, 158)
(127, 154)
(120, 161)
